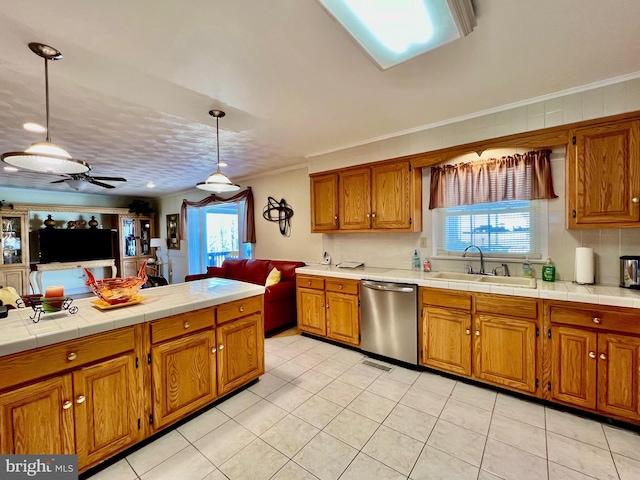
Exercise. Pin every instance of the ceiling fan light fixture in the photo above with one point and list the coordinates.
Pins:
(77, 184)
(46, 157)
(218, 182)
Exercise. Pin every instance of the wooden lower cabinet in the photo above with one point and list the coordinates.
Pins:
(505, 351)
(446, 339)
(240, 352)
(329, 307)
(573, 366)
(107, 408)
(619, 375)
(184, 376)
(343, 318)
(38, 418)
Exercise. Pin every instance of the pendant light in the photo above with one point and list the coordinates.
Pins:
(46, 157)
(218, 182)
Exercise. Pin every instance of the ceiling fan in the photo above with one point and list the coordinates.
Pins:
(78, 181)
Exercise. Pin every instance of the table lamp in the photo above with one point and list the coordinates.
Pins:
(157, 243)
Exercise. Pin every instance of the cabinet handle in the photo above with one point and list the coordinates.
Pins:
(368, 215)
(72, 356)
(477, 333)
(321, 304)
(373, 215)
(326, 305)
(467, 331)
(340, 286)
(221, 347)
(213, 350)
(635, 199)
(309, 282)
(242, 309)
(186, 325)
(335, 218)
(592, 354)
(603, 356)
(67, 405)
(80, 399)
(597, 320)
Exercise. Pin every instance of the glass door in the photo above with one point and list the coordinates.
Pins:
(145, 236)
(129, 237)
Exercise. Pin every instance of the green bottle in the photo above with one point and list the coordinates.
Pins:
(549, 272)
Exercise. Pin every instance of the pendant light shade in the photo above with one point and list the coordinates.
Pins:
(218, 182)
(46, 157)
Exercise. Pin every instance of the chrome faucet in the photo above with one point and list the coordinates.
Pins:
(505, 270)
(464, 254)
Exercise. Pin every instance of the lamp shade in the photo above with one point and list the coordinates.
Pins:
(157, 242)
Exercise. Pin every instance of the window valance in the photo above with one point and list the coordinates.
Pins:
(514, 177)
(249, 232)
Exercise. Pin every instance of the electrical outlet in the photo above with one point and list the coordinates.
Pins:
(424, 242)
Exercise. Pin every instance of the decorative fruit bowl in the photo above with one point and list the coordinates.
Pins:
(117, 290)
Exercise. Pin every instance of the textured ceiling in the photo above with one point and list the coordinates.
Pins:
(132, 92)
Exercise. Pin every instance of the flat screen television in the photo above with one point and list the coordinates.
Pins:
(72, 245)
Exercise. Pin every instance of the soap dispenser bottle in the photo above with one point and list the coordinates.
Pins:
(416, 260)
(549, 272)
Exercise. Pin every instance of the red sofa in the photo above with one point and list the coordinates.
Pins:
(279, 299)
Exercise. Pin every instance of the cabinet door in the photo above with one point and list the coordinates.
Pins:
(183, 376)
(573, 366)
(324, 203)
(38, 418)
(506, 351)
(355, 199)
(129, 267)
(343, 318)
(240, 352)
(618, 375)
(107, 408)
(391, 196)
(311, 311)
(446, 340)
(16, 279)
(604, 182)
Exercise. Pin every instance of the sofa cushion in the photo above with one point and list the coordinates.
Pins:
(256, 271)
(10, 296)
(273, 277)
(235, 268)
(219, 272)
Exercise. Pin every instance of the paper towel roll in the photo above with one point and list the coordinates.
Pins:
(584, 268)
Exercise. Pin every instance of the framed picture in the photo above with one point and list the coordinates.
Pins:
(173, 231)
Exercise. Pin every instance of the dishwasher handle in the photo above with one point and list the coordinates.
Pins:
(387, 288)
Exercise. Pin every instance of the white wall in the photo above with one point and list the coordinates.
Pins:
(293, 186)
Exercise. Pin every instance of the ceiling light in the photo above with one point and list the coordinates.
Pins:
(394, 31)
(151, 185)
(218, 182)
(223, 164)
(76, 183)
(46, 157)
(34, 127)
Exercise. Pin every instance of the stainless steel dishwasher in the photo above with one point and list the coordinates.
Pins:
(389, 320)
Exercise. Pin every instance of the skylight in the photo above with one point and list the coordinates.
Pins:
(394, 31)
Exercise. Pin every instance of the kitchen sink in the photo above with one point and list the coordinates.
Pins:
(490, 279)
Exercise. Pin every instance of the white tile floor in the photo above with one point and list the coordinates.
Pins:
(319, 413)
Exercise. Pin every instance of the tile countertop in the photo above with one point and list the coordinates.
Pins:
(19, 333)
(596, 294)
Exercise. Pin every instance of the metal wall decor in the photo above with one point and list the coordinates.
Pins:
(280, 212)
(173, 235)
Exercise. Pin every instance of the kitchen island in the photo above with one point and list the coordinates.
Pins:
(98, 381)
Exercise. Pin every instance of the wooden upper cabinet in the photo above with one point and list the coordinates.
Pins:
(380, 197)
(324, 202)
(603, 184)
(355, 199)
(391, 196)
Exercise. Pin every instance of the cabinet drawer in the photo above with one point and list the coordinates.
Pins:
(505, 305)
(596, 317)
(446, 298)
(306, 281)
(33, 364)
(342, 286)
(239, 308)
(182, 324)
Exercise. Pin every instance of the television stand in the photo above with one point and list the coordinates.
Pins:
(35, 277)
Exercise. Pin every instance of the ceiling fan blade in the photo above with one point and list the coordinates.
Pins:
(60, 181)
(100, 184)
(113, 179)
